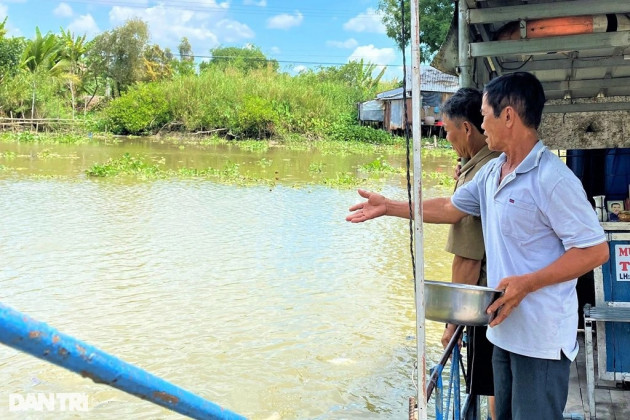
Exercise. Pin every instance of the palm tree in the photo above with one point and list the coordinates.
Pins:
(43, 54)
(72, 50)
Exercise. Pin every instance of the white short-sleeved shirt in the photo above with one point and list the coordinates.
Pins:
(538, 212)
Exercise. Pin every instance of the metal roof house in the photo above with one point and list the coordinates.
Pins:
(388, 107)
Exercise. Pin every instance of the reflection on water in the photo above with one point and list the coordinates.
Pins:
(264, 301)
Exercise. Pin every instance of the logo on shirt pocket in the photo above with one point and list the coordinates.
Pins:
(517, 219)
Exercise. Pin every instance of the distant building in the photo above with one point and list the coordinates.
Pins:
(387, 109)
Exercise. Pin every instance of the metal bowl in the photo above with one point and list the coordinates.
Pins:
(460, 304)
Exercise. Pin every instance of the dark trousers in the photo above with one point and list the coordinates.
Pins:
(527, 388)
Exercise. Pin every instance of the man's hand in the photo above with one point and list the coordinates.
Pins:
(449, 332)
(375, 206)
(515, 289)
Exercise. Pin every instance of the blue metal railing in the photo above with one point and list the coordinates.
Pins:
(435, 382)
(23, 333)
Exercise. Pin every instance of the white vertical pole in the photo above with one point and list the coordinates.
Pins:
(416, 105)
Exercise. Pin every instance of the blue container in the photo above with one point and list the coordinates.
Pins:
(612, 289)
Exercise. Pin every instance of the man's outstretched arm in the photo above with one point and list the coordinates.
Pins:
(436, 210)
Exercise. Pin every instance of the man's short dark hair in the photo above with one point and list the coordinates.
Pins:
(465, 104)
(522, 91)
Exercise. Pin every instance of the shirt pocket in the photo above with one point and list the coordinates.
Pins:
(517, 219)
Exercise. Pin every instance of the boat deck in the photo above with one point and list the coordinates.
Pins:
(611, 402)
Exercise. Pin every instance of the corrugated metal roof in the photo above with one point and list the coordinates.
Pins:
(431, 80)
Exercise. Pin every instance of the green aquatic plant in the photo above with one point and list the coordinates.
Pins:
(136, 166)
(25, 137)
(343, 179)
(440, 178)
(47, 138)
(125, 165)
(379, 165)
(314, 167)
(252, 145)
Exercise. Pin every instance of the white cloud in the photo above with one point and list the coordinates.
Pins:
(348, 43)
(261, 3)
(63, 10)
(205, 27)
(275, 50)
(369, 21)
(3, 11)
(234, 31)
(379, 56)
(285, 21)
(371, 54)
(127, 2)
(84, 25)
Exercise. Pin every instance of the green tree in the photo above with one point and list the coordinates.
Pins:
(435, 20)
(73, 49)
(356, 74)
(157, 63)
(244, 59)
(118, 55)
(43, 52)
(185, 50)
(185, 66)
(11, 50)
(42, 56)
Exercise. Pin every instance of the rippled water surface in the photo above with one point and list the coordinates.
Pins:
(262, 300)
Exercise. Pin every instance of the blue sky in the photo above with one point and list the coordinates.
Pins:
(298, 34)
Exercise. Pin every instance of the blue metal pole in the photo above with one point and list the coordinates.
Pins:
(456, 394)
(450, 383)
(21, 332)
(439, 390)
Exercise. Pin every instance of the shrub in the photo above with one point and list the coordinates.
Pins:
(346, 129)
(140, 110)
(256, 118)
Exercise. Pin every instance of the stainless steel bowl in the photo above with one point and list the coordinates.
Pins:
(460, 304)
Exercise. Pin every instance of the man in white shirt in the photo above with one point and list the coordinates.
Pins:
(540, 234)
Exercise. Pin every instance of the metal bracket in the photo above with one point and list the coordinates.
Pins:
(522, 26)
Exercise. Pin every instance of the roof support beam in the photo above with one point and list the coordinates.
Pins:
(592, 107)
(550, 44)
(564, 64)
(547, 10)
(463, 40)
(566, 85)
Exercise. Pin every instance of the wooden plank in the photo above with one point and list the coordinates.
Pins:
(611, 403)
(603, 404)
(621, 403)
(581, 369)
(574, 400)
